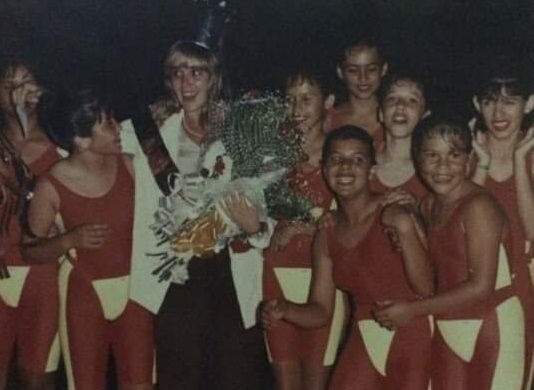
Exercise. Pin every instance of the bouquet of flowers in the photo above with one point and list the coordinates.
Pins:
(251, 147)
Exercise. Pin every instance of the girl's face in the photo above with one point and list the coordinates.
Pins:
(191, 82)
(14, 79)
(443, 166)
(402, 108)
(361, 71)
(347, 168)
(105, 137)
(503, 114)
(307, 105)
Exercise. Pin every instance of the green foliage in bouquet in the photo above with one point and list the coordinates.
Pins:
(256, 134)
(283, 203)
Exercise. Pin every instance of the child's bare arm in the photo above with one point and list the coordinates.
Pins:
(318, 310)
(483, 223)
(417, 264)
(524, 182)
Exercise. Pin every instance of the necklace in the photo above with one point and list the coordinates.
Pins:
(191, 131)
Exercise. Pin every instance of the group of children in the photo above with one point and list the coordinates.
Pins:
(416, 273)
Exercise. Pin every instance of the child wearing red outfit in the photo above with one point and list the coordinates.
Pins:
(402, 106)
(29, 301)
(361, 69)
(479, 340)
(301, 358)
(355, 254)
(87, 190)
(504, 149)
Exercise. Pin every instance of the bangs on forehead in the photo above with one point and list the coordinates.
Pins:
(455, 137)
(500, 87)
(173, 59)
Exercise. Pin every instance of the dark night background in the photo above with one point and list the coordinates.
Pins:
(122, 43)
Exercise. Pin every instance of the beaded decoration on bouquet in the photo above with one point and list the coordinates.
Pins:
(251, 146)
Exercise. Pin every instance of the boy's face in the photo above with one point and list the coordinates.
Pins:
(307, 105)
(503, 114)
(105, 138)
(361, 71)
(347, 167)
(442, 165)
(403, 106)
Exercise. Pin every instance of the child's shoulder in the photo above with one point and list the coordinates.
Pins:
(480, 204)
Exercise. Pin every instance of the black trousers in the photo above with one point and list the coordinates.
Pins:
(201, 343)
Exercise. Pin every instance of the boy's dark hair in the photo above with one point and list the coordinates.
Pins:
(314, 74)
(70, 115)
(398, 76)
(456, 132)
(346, 133)
(368, 40)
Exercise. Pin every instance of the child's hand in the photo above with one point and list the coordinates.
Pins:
(401, 197)
(272, 312)
(90, 236)
(480, 147)
(526, 145)
(282, 237)
(23, 98)
(391, 315)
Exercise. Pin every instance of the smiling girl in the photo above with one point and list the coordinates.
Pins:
(354, 254)
(479, 340)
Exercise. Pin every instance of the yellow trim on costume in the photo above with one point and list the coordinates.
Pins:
(11, 288)
(336, 330)
(295, 283)
(113, 294)
(460, 336)
(377, 341)
(504, 276)
(64, 274)
(52, 363)
(510, 366)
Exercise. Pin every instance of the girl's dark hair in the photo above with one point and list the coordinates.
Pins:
(503, 76)
(312, 74)
(392, 79)
(364, 40)
(8, 67)
(505, 79)
(455, 132)
(68, 115)
(347, 133)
